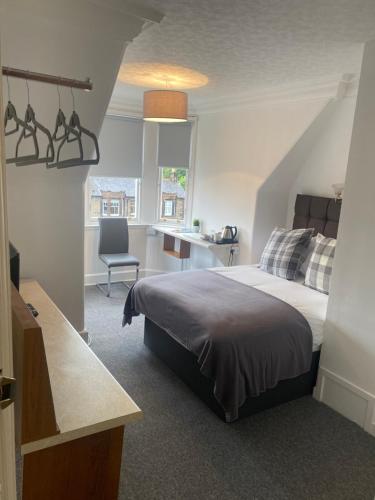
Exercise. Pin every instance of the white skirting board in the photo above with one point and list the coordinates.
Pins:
(128, 275)
(345, 397)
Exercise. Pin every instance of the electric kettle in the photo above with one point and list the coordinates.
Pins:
(229, 234)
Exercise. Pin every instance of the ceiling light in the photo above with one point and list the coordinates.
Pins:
(167, 106)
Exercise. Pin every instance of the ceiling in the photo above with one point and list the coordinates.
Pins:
(244, 46)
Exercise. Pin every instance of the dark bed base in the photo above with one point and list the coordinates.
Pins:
(185, 365)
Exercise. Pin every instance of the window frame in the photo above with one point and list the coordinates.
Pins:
(103, 208)
(170, 204)
(145, 214)
(172, 222)
(115, 204)
(189, 190)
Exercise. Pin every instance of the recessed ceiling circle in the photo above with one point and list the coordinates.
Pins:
(161, 76)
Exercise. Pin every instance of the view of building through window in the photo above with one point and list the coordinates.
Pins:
(173, 194)
(112, 197)
(117, 196)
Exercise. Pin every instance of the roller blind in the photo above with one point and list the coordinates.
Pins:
(121, 146)
(174, 145)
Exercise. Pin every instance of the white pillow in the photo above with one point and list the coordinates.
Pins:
(308, 254)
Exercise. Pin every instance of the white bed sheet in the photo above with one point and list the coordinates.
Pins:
(310, 303)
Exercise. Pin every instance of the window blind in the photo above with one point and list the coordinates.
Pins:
(174, 145)
(121, 148)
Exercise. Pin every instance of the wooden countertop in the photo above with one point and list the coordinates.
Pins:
(87, 398)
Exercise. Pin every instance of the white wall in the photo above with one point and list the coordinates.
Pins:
(252, 162)
(316, 161)
(237, 151)
(46, 208)
(325, 163)
(347, 367)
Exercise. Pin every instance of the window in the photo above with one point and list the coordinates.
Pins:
(173, 193)
(168, 208)
(115, 208)
(112, 197)
(104, 208)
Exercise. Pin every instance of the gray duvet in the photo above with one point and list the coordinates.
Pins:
(245, 340)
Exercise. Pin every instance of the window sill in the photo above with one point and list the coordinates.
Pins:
(169, 224)
(93, 225)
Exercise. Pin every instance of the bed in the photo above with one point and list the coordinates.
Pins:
(172, 334)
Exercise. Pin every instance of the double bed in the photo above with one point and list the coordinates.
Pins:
(242, 339)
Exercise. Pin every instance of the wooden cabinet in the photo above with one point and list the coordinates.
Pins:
(169, 247)
(70, 411)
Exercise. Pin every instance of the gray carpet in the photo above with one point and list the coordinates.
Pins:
(182, 451)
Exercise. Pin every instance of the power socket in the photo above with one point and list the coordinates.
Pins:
(235, 250)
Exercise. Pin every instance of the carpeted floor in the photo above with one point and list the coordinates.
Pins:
(181, 451)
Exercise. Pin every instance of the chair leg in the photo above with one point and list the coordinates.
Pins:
(109, 283)
(106, 287)
(107, 291)
(136, 279)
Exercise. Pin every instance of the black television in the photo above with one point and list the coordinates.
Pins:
(14, 260)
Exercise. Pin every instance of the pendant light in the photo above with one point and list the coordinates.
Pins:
(166, 106)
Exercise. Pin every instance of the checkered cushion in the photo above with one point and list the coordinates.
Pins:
(284, 252)
(319, 271)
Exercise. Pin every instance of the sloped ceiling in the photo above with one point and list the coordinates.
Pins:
(247, 45)
(46, 210)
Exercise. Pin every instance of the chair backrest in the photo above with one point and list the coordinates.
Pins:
(114, 236)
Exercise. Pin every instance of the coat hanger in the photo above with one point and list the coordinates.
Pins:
(37, 127)
(63, 139)
(64, 132)
(72, 162)
(27, 132)
(75, 125)
(60, 121)
(11, 116)
(76, 129)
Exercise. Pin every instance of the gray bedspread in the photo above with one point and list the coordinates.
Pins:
(245, 340)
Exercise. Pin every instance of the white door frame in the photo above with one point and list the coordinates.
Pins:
(7, 438)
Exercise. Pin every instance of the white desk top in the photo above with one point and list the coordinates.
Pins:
(86, 397)
(194, 238)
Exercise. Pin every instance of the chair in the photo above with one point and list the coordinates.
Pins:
(114, 247)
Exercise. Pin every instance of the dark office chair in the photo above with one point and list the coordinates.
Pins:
(114, 247)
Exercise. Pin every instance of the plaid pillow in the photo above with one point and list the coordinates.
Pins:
(319, 271)
(284, 252)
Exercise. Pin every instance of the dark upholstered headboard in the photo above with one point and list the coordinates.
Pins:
(315, 211)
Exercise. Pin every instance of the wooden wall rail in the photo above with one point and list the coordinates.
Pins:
(44, 78)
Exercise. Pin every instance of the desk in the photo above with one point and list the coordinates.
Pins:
(188, 239)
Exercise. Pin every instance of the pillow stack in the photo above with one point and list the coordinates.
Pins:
(284, 252)
(319, 270)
